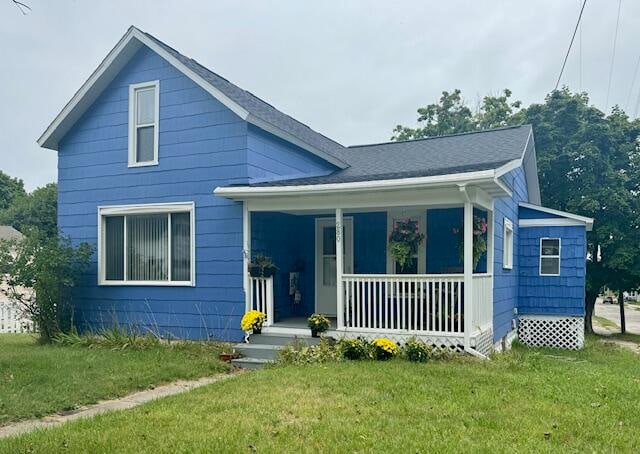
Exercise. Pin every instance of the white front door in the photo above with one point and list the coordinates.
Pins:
(326, 292)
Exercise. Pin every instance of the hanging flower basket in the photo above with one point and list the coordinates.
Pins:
(404, 241)
(479, 239)
(262, 266)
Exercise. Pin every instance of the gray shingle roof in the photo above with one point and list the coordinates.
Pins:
(468, 152)
(257, 107)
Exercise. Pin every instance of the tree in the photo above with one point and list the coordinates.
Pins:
(450, 115)
(34, 211)
(10, 189)
(42, 271)
(588, 163)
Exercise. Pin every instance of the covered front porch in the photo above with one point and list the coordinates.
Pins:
(336, 261)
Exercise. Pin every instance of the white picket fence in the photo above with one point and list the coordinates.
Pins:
(12, 320)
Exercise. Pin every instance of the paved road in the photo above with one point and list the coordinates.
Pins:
(612, 312)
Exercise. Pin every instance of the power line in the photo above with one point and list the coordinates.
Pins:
(613, 56)
(633, 82)
(570, 44)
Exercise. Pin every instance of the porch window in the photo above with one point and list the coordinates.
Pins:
(143, 124)
(550, 256)
(418, 260)
(140, 246)
(507, 245)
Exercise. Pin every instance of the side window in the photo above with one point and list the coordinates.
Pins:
(143, 124)
(507, 245)
(550, 256)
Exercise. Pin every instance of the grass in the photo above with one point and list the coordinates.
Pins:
(521, 401)
(605, 322)
(37, 380)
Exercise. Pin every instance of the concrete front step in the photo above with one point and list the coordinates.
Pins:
(281, 339)
(250, 363)
(263, 348)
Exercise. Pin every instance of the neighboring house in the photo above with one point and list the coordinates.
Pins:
(179, 177)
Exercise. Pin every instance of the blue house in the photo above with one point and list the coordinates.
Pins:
(180, 178)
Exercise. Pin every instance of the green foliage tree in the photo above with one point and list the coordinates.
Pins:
(36, 211)
(41, 272)
(588, 164)
(10, 189)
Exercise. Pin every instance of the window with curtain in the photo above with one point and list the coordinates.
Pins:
(147, 247)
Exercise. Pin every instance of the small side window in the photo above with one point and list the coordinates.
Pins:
(550, 256)
(143, 124)
(507, 246)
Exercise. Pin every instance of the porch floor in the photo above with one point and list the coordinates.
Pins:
(301, 323)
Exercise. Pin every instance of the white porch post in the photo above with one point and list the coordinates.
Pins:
(246, 253)
(339, 268)
(468, 272)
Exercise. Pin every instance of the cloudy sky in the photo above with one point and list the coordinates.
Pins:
(349, 69)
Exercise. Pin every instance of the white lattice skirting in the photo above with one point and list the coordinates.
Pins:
(484, 342)
(551, 331)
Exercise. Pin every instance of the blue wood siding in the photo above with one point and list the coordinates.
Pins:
(529, 213)
(271, 158)
(552, 295)
(202, 145)
(369, 243)
(505, 282)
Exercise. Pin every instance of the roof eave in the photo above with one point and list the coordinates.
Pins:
(467, 178)
(588, 222)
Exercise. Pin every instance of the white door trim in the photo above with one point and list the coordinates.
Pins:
(348, 223)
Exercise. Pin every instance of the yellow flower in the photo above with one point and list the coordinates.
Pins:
(252, 319)
(387, 345)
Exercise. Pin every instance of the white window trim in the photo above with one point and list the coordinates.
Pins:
(559, 257)
(507, 254)
(133, 127)
(421, 216)
(151, 208)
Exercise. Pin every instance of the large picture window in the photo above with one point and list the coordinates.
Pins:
(549, 256)
(149, 244)
(143, 124)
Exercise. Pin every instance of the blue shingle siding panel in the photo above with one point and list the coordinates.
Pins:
(505, 281)
(369, 242)
(529, 213)
(552, 295)
(271, 158)
(202, 145)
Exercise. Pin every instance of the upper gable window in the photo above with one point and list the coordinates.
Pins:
(143, 123)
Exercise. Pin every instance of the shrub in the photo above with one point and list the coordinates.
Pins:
(384, 348)
(355, 348)
(41, 272)
(301, 353)
(417, 351)
(318, 323)
(253, 320)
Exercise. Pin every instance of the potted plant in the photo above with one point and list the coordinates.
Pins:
(253, 321)
(384, 348)
(404, 241)
(262, 266)
(318, 324)
(479, 240)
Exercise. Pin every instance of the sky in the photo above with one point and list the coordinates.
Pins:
(351, 70)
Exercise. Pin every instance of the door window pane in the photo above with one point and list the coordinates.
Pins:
(145, 104)
(180, 247)
(329, 271)
(114, 248)
(148, 244)
(329, 241)
(411, 267)
(145, 144)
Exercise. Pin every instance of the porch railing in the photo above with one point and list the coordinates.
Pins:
(261, 296)
(482, 300)
(420, 303)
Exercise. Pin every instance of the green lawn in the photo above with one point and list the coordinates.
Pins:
(522, 401)
(605, 322)
(37, 380)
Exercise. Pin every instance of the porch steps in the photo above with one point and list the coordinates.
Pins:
(263, 348)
